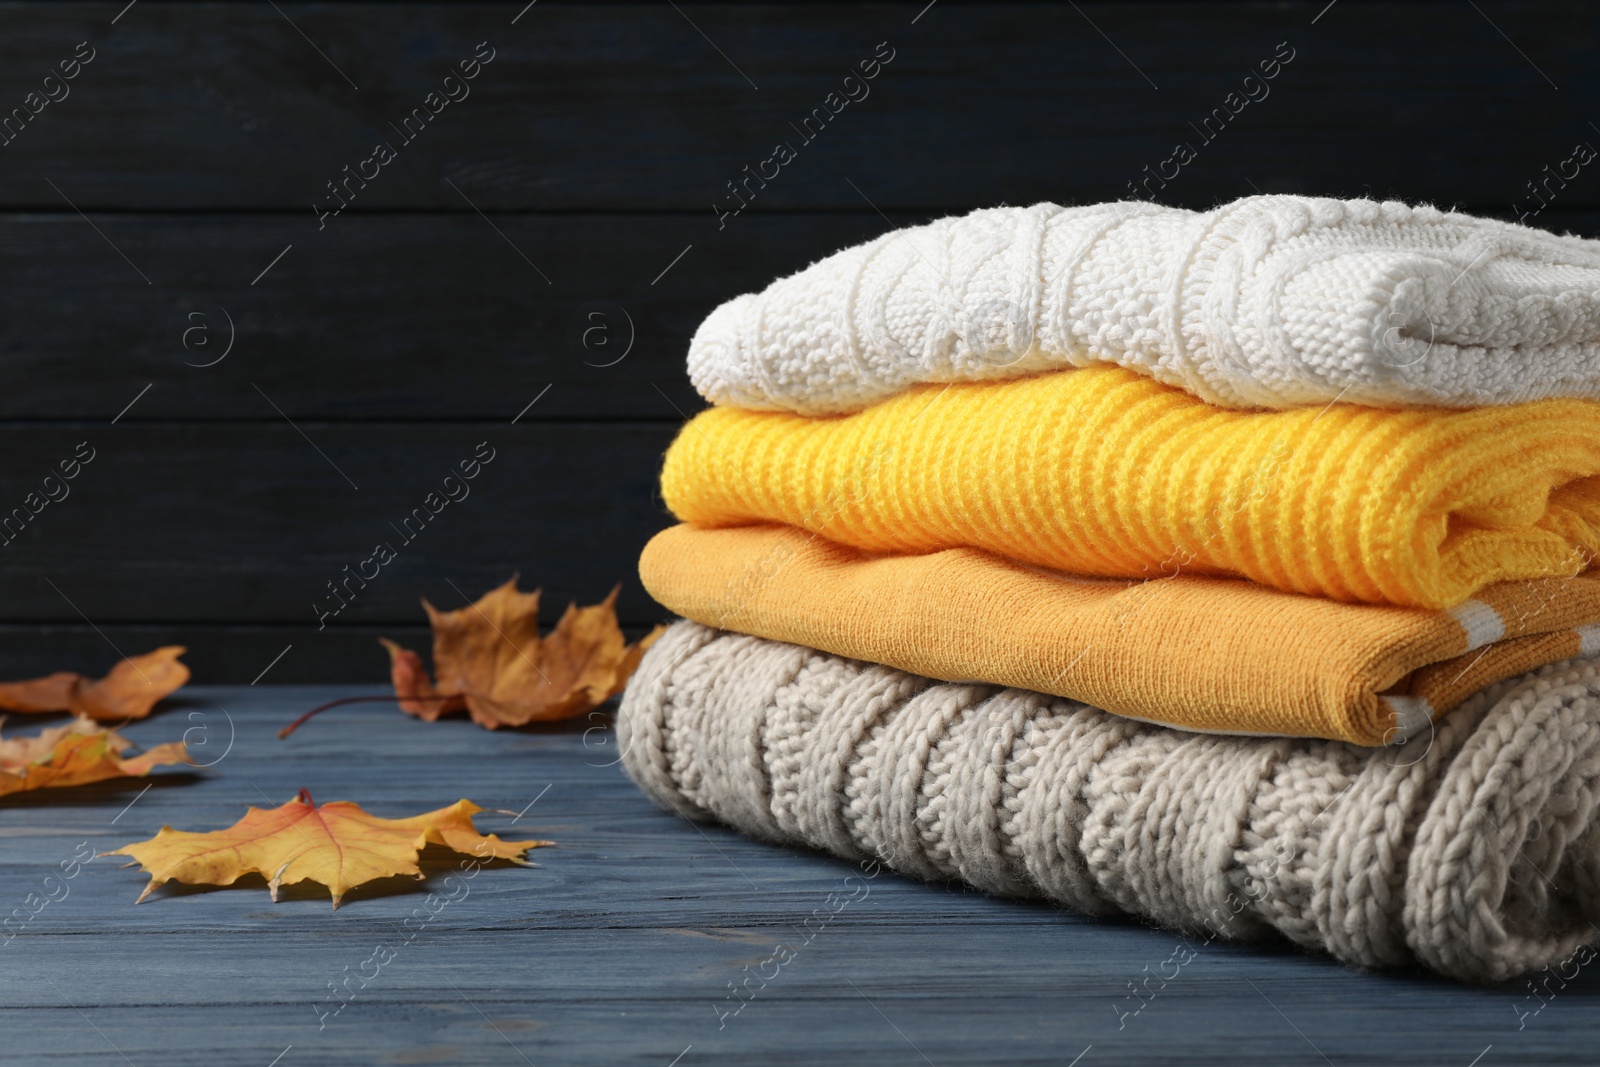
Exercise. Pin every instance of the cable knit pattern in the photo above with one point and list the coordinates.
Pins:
(1473, 850)
(1271, 301)
(1103, 472)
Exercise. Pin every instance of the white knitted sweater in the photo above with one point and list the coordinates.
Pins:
(1474, 850)
(1271, 301)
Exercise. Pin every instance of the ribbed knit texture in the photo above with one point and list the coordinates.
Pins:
(1473, 851)
(1201, 653)
(1271, 301)
(1102, 471)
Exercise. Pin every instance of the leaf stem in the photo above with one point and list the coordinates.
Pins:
(320, 708)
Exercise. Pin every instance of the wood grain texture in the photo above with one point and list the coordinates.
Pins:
(595, 107)
(224, 522)
(619, 947)
(234, 652)
(421, 317)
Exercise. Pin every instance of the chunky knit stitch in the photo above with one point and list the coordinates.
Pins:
(1474, 850)
(1102, 471)
(1271, 301)
(1199, 653)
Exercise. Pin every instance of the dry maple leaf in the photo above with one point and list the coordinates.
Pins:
(133, 687)
(337, 845)
(490, 660)
(76, 754)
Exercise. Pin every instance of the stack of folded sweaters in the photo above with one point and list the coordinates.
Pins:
(1228, 569)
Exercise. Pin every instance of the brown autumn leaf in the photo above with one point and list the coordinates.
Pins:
(337, 845)
(490, 660)
(133, 687)
(76, 753)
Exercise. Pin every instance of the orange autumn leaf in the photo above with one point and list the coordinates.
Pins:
(76, 754)
(337, 845)
(133, 687)
(490, 660)
(413, 686)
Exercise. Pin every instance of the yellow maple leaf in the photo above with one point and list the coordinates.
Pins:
(77, 753)
(129, 691)
(488, 658)
(337, 845)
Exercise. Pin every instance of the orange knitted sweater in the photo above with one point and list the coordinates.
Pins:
(1197, 653)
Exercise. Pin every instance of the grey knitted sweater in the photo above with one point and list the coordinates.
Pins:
(1472, 850)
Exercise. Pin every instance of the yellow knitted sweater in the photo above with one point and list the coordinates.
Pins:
(1103, 471)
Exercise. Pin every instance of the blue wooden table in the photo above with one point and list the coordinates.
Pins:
(623, 945)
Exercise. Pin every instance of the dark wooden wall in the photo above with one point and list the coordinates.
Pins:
(563, 214)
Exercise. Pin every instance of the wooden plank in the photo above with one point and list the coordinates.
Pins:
(587, 107)
(221, 653)
(221, 522)
(396, 316)
(620, 946)
(217, 653)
